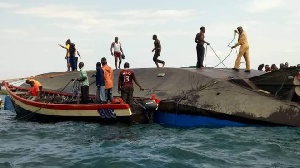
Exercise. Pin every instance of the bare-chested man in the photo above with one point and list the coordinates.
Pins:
(157, 49)
(199, 39)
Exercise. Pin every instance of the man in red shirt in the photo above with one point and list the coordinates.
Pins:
(36, 83)
(34, 91)
(125, 84)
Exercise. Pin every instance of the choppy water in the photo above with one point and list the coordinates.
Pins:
(80, 144)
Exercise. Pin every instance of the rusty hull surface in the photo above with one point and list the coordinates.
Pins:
(206, 91)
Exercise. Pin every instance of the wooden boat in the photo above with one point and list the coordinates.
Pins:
(58, 106)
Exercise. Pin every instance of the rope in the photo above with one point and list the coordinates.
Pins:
(224, 59)
(221, 62)
(280, 86)
(231, 40)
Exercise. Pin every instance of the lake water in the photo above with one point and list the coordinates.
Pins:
(81, 144)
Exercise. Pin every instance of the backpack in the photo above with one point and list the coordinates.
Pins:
(72, 49)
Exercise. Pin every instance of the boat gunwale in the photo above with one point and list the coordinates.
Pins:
(49, 105)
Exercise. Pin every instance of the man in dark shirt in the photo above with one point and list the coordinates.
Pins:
(199, 39)
(125, 84)
(157, 49)
(100, 83)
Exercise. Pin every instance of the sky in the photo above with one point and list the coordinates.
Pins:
(30, 31)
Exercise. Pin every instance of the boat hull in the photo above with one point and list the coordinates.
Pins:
(187, 121)
(50, 112)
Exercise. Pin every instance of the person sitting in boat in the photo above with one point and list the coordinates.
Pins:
(37, 83)
(125, 85)
(84, 81)
(34, 91)
(100, 83)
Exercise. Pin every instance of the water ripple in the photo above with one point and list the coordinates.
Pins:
(81, 144)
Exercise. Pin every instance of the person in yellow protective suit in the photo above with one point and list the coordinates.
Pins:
(244, 50)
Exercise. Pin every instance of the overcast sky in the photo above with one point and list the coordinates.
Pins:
(30, 31)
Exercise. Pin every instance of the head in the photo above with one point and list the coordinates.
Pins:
(281, 65)
(274, 67)
(31, 83)
(260, 67)
(27, 81)
(68, 41)
(298, 65)
(202, 29)
(267, 66)
(116, 39)
(98, 64)
(103, 61)
(240, 29)
(81, 64)
(126, 65)
(286, 64)
(154, 37)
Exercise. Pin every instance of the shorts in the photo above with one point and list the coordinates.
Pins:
(117, 54)
(157, 53)
(68, 59)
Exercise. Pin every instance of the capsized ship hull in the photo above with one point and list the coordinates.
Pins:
(214, 93)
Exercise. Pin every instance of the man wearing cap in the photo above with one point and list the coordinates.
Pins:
(244, 50)
(199, 39)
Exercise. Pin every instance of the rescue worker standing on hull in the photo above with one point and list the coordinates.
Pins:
(199, 39)
(244, 50)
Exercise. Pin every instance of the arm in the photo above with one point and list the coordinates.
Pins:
(202, 38)
(39, 93)
(137, 82)
(82, 76)
(78, 54)
(81, 79)
(119, 82)
(156, 45)
(241, 41)
(196, 38)
(121, 48)
(62, 46)
(111, 46)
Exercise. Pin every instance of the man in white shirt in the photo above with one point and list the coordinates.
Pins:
(116, 45)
